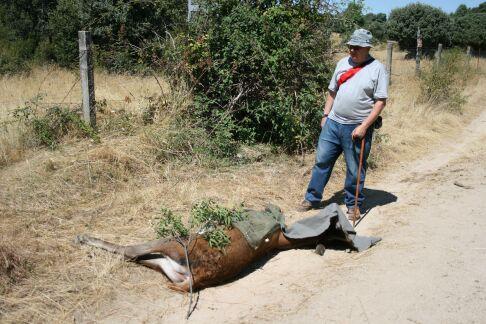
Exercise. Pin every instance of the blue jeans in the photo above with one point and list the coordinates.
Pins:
(334, 139)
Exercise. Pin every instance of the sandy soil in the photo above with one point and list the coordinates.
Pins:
(429, 268)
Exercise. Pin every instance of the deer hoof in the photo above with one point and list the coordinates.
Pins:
(320, 249)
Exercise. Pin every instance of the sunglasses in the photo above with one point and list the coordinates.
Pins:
(354, 48)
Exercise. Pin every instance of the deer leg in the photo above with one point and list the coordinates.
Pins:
(285, 243)
(171, 261)
(130, 251)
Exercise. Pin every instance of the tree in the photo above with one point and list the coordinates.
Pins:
(469, 26)
(461, 11)
(435, 26)
(376, 24)
(479, 9)
(350, 18)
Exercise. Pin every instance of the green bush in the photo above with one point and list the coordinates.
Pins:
(435, 26)
(48, 129)
(258, 70)
(14, 54)
(444, 83)
(123, 31)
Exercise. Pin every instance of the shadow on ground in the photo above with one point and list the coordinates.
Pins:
(373, 198)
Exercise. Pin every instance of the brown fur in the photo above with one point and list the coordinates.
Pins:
(209, 266)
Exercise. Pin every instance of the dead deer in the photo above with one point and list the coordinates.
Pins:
(209, 266)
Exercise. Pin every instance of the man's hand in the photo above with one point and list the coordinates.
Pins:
(323, 121)
(359, 132)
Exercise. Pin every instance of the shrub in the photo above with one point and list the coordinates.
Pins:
(435, 26)
(23, 26)
(14, 54)
(122, 30)
(258, 70)
(49, 128)
(444, 83)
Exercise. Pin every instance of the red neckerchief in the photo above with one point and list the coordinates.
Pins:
(351, 72)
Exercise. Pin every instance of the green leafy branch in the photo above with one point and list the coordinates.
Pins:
(207, 218)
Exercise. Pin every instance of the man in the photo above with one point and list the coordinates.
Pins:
(357, 95)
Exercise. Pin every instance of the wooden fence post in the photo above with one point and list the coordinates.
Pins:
(389, 56)
(419, 53)
(477, 62)
(87, 77)
(438, 55)
(468, 56)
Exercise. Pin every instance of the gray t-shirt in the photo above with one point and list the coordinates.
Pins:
(356, 97)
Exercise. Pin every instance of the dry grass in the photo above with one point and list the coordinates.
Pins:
(114, 190)
(13, 266)
(62, 86)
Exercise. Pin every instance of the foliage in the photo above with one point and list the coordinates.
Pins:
(26, 19)
(13, 53)
(435, 26)
(259, 69)
(444, 83)
(123, 30)
(207, 218)
(353, 17)
(170, 225)
(23, 25)
(469, 27)
(350, 18)
(49, 128)
(376, 24)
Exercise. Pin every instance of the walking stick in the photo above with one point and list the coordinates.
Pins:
(356, 210)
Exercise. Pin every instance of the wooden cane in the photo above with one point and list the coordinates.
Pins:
(356, 210)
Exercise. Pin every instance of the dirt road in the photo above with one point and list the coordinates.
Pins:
(429, 268)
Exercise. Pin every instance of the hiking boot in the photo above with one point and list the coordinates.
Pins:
(307, 205)
(352, 215)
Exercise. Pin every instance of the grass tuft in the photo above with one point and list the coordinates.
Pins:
(14, 266)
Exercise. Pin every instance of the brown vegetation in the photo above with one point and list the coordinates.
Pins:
(14, 266)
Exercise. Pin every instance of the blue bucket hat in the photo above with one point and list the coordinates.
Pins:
(361, 37)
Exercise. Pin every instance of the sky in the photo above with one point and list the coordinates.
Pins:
(448, 6)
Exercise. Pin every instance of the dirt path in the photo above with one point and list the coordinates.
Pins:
(430, 266)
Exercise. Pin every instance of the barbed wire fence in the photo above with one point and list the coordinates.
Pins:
(428, 52)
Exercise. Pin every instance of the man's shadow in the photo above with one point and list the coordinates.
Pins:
(373, 198)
